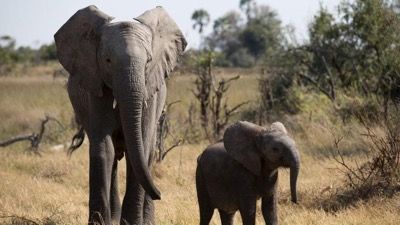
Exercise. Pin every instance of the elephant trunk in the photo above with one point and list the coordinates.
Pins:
(294, 172)
(129, 91)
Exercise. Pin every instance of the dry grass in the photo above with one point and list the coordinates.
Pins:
(53, 189)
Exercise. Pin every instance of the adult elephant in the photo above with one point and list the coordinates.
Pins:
(117, 89)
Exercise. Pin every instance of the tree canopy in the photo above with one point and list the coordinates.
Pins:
(244, 41)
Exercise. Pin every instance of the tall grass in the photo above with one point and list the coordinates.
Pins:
(53, 189)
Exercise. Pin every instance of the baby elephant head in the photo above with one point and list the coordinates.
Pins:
(259, 149)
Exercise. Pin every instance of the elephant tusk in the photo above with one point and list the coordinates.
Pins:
(145, 104)
(114, 103)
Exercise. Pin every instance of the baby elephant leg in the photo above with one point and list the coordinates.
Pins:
(269, 203)
(226, 218)
(248, 213)
(206, 210)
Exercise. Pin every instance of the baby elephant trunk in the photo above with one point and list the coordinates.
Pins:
(294, 172)
(294, 162)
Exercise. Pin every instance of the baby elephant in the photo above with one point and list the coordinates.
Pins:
(231, 175)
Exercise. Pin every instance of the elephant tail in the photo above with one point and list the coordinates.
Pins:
(77, 141)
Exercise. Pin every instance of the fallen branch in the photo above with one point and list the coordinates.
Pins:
(35, 138)
(30, 137)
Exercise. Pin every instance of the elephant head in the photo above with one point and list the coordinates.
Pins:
(130, 58)
(259, 149)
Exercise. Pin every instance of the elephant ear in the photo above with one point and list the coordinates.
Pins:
(240, 142)
(77, 42)
(168, 43)
(278, 127)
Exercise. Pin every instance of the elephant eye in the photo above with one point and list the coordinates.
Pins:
(108, 60)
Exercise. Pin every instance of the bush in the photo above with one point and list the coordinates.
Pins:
(368, 109)
(277, 94)
(379, 175)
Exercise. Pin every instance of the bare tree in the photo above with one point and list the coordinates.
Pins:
(164, 132)
(203, 88)
(211, 95)
(221, 113)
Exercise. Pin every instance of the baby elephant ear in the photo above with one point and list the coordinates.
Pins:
(278, 127)
(240, 142)
(77, 42)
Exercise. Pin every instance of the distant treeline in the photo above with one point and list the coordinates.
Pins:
(10, 55)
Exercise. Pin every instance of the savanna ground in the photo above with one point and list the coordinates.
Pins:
(53, 189)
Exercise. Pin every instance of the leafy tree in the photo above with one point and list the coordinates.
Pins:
(201, 18)
(225, 39)
(262, 35)
(355, 54)
(48, 52)
(7, 46)
(247, 6)
(359, 51)
(225, 30)
(245, 44)
(26, 54)
(7, 54)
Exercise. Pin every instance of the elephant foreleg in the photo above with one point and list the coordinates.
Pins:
(101, 152)
(148, 211)
(269, 210)
(148, 207)
(115, 203)
(120, 149)
(269, 203)
(132, 206)
(205, 208)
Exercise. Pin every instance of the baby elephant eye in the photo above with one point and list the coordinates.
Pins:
(276, 150)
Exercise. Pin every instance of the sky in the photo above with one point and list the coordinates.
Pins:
(33, 22)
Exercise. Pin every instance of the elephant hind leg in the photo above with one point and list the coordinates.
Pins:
(205, 206)
(226, 218)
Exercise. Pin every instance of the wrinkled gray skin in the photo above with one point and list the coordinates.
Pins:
(125, 62)
(231, 175)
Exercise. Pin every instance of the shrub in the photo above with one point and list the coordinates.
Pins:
(277, 94)
(380, 173)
